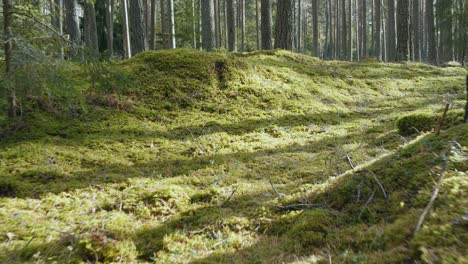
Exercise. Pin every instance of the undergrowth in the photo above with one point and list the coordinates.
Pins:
(192, 157)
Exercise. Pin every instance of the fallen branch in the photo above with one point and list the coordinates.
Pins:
(273, 187)
(295, 207)
(441, 122)
(378, 183)
(435, 193)
(371, 197)
(229, 198)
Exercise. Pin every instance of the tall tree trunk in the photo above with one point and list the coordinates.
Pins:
(344, 30)
(299, 25)
(216, 20)
(431, 34)
(231, 25)
(266, 24)
(364, 29)
(220, 38)
(358, 30)
(402, 31)
(170, 14)
(57, 18)
(152, 42)
(208, 27)
(110, 26)
(283, 31)
(415, 27)
(391, 37)
(242, 23)
(164, 26)
(315, 33)
(90, 30)
(72, 27)
(350, 30)
(137, 28)
(8, 50)
(257, 26)
(126, 31)
(377, 29)
(194, 44)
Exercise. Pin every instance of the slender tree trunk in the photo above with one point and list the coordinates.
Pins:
(57, 18)
(216, 19)
(416, 31)
(315, 31)
(391, 53)
(110, 26)
(152, 44)
(283, 31)
(90, 30)
(299, 24)
(266, 24)
(164, 28)
(377, 28)
(147, 16)
(431, 34)
(231, 25)
(402, 31)
(72, 27)
(208, 27)
(242, 23)
(8, 50)
(358, 31)
(138, 37)
(350, 30)
(344, 30)
(194, 44)
(220, 38)
(364, 29)
(257, 26)
(170, 14)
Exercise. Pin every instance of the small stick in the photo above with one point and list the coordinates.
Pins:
(371, 197)
(435, 193)
(274, 189)
(378, 182)
(293, 207)
(229, 198)
(441, 122)
(350, 161)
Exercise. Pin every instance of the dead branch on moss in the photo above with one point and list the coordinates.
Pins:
(441, 122)
(303, 206)
(371, 197)
(434, 195)
(229, 198)
(274, 189)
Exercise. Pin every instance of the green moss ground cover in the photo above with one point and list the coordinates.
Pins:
(175, 158)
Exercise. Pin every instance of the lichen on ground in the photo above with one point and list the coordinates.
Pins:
(192, 157)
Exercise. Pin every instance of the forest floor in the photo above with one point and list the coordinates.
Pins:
(192, 157)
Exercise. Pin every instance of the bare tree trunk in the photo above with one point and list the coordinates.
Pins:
(344, 31)
(8, 50)
(364, 29)
(57, 20)
(152, 44)
(315, 33)
(170, 14)
(402, 31)
(110, 26)
(194, 26)
(431, 34)
(283, 31)
(208, 27)
(220, 38)
(90, 30)
(72, 27)
(391, 37)
(350, 30)
(138, 37)
(242, 23)
(299, 24)
(266, 24)
(257, 25)
(358, 31)
(231, 25)
(377, 28)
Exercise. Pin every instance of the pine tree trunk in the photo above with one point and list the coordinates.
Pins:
(242, 23)
(257, 26)
(358, 31)
(431, 34)
(137, 29)
(284, 28)
(90, 30)
(377, 28)
(344, 30)
(57, 10)
(391, 37)
(299, 24)
(231, 25)
(315, 33)
(170, 14)
(208, 27)
(126, 28)
(110, 26)
(220, 38)
(266, 24)
(415, 27)
(364, 29)
(72, 27)
(8, 50)
(350, 30)
(402, 31)
(194, 44)
(152, 42)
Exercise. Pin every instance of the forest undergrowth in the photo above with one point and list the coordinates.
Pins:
(264, 157)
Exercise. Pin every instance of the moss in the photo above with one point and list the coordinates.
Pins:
(415, 123)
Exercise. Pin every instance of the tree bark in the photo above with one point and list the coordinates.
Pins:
(266, 24)
(72, 27)
(257, 26)
(242, 23)
(90, 30)
(364, 29)
(391, 37)
(315, 33)
(194, 44)
(299, 25)
(431, 34)
(344, 30)
(8, 50)
(57, 18)
(377, 28)
(110, 26)
(283, 31)
(208, 27)
(171, 20)
(126, 30)
(402, 31)
(138, 36)
(152, 42)
(231, 25)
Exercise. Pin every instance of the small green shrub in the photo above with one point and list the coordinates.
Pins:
(417, 122)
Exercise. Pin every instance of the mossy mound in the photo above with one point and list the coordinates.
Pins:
(187, 156)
